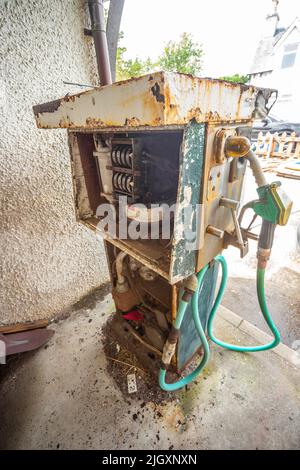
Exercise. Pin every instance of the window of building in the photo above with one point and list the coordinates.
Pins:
(289, 55)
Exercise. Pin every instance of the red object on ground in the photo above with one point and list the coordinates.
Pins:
(133, 315)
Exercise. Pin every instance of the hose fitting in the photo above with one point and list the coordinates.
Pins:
(240, 146)
(263, 256)
(190, 286)
(169, 348)
(265, 243)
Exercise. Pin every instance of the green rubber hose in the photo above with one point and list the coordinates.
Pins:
(260, 282)
(260, 279)
(179, 317)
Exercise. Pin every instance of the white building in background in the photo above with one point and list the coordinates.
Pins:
(277, 65)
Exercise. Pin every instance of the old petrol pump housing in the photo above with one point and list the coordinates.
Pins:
(159, 139)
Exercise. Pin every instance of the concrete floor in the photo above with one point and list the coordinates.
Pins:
(62, 397)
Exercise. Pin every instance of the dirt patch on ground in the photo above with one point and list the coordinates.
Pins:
(126, 356)
(89, 301)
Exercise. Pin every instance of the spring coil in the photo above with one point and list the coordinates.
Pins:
(121, 156)
(123, 182)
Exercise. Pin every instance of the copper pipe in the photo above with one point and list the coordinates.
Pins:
(174, 302)
(99, 34)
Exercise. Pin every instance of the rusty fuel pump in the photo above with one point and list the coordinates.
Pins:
(158, 165)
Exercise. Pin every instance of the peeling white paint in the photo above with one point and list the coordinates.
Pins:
(158, 99)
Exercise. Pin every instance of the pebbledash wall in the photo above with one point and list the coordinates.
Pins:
(48, 261)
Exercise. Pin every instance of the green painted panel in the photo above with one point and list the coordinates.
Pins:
(189, 340)
(190, 178)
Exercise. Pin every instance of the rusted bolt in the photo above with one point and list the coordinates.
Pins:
(210, 178)
(213, 188)
(218, 174)
(215, 231)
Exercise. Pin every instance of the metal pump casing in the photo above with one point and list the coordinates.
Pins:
(180, 124)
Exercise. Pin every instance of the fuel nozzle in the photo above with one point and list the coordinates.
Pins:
(274, 206)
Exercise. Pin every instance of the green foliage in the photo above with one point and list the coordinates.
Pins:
(236, 78)
(131, 67)
(182, 56)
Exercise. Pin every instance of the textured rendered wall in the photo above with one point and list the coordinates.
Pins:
(47, 260)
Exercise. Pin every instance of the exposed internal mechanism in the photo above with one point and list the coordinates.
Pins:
(147, 315)
(137, 168)
(121, 155)
(126, 168)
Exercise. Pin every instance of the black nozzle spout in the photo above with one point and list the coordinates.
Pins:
(266, 235)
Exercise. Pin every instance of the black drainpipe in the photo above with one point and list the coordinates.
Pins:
(99, 34)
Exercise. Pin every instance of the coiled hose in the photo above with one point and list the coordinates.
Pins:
(260, 279)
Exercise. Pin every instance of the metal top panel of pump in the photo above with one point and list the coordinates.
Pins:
(158, 99)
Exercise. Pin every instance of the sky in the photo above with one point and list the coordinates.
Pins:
(228, 30)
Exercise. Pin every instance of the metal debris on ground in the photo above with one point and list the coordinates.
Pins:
(131, 383)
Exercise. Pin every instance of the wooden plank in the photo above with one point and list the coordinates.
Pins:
(5, 329)
(289, 174)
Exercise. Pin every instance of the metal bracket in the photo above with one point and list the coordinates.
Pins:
(219, 143)
(87, 32)
(235, 239)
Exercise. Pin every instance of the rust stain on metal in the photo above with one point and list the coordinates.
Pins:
(212, 116)
(94, 122)
(152, 100)
(66, 122)
(194, 113)
(152, 107)
(157, 121)
(238, 109)
(132, 122)
(169, 104)
(71, 98)
(127, 80)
